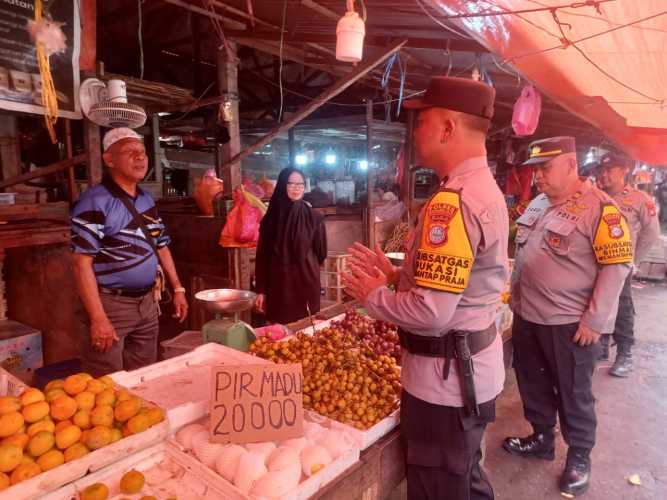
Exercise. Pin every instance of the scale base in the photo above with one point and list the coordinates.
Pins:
(235, 334)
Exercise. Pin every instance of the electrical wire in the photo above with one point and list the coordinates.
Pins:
(192, 106)
(568, 43)
(440, 23)
(280, 69)
(141, 39)
(576, 5)
(561, 46)
(342, 104)
(604, 19)
(524, 19)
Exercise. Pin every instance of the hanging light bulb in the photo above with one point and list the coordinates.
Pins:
(350, 33)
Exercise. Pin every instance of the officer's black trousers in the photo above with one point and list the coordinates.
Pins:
(443, 450)
(624, 329)
(555, 376)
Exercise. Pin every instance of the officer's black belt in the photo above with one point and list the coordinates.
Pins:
(455, 344)
(445, 346)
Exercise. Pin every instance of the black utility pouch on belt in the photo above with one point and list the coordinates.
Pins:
(458, 345)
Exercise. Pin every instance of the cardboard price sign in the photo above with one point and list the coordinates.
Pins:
(256, 403)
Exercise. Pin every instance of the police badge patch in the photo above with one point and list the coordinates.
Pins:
(613, 222)
(437, 235)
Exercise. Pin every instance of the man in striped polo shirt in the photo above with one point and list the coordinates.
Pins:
(116, 264)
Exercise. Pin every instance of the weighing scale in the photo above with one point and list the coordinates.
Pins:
(225, 329)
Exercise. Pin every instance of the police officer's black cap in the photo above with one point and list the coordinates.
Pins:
(458, 94)
(546, 150)
(609, 160)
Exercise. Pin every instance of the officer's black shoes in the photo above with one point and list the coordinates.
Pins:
(577, 473)
(536, 445)
(622, 366)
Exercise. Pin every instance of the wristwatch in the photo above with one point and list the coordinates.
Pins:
(180, 289)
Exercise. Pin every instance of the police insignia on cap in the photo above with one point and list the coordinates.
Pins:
(614, 224)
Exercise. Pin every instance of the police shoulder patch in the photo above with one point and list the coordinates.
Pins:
(445, 256)
(612, 243)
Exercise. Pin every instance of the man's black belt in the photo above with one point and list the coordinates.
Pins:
(458, 345)
(125, 292)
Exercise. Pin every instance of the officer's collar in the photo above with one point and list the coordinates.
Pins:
(585, 186)
(465, 167)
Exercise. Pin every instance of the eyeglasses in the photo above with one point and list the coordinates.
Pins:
(298, 185)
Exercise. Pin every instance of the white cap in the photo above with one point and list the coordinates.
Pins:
(118, 134)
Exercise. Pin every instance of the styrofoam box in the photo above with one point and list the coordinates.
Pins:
(306, 489)
(182, 344)
(168, 473)
(96, 460)
(10, 385)
(182, 385)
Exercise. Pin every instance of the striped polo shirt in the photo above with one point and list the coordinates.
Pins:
(103, 227)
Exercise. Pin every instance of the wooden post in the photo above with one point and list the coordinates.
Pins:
(88, 20)
(228, 83)
(91, 135)
(10, 153)
(370, 216)
(157, 162)
(71, 185)
(292, 148)
(407, 188)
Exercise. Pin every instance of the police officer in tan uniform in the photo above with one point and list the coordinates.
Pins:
(573, 253)
(639, 210)
(446, 298)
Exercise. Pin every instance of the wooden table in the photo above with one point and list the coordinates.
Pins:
(379, 471)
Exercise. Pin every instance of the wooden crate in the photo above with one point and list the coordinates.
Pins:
(331, 276)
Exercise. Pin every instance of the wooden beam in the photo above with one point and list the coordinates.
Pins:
(342, 84)
(370, 215)
(228, 84)
(93, 146)
(71, 185)
(440, 43)
(10, 152)
(88, 20)
(41, 172)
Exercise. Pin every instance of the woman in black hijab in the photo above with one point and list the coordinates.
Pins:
(292, 245)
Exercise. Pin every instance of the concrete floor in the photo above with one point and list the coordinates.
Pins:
(631, 437)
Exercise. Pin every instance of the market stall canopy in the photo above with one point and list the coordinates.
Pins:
(603, 60)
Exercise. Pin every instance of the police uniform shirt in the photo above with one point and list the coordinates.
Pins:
(640, 212)
(571, 260)
(430, 312)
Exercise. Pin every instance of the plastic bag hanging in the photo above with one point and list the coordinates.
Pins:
(527, 108)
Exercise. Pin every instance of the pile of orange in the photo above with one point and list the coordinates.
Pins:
(40, 430)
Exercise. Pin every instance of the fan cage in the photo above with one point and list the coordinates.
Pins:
(117, 114)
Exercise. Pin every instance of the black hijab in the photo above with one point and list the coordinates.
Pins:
(288, 226)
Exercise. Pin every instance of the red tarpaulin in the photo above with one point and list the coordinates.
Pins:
(605, 62)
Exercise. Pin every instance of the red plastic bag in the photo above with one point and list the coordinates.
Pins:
(206, 189)
(527, 109)
(242, 226)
